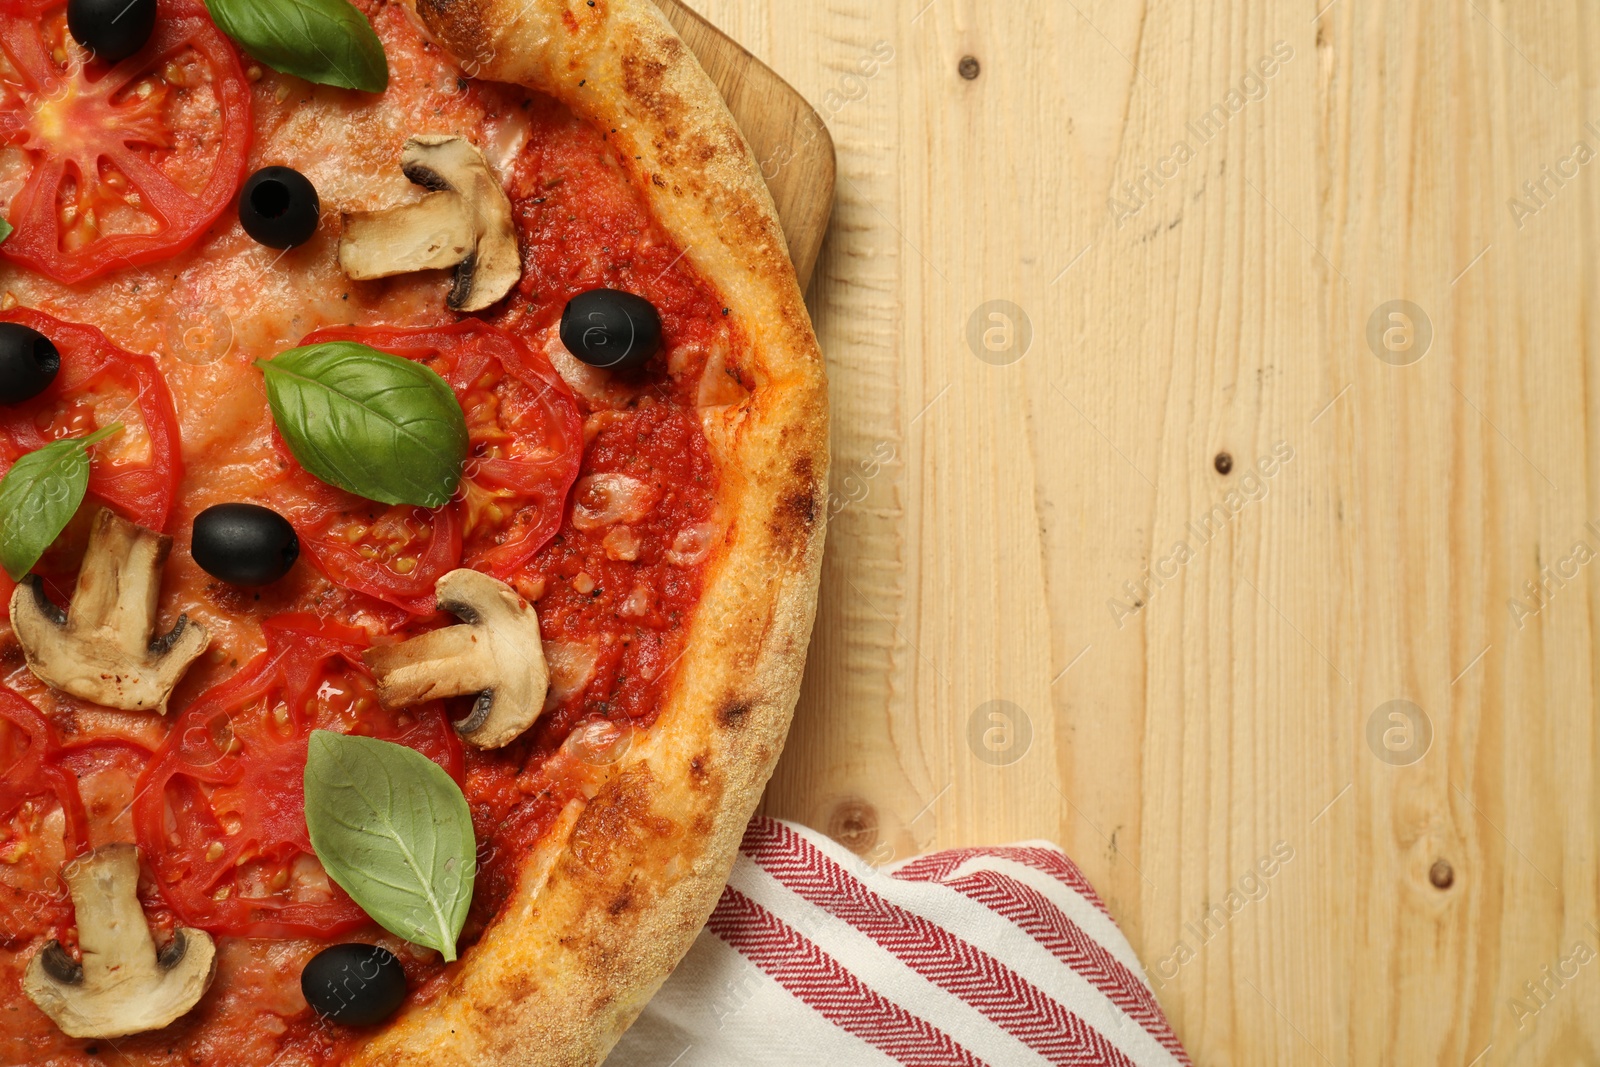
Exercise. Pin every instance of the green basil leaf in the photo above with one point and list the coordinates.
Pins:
(393, 829)
(5, 229)
(38, 497)
(324, 41)
(376, 425)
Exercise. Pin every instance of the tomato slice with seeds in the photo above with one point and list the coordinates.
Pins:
(395, 553)
(42, 822)
(106, 770)
(524, 426)
(220, 811)
(135, 471)
(130, 163)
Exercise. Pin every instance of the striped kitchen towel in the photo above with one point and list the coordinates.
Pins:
(997, 956)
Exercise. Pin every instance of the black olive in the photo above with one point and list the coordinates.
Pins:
(28, 363)
(278, 206)
(611, 329)
(358, 985)
(244, 544)
(112, 29)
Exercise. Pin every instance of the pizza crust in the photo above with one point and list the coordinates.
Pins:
(618, 890)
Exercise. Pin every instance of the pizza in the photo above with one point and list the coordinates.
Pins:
(414, 448)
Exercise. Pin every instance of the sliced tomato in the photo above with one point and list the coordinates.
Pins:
(136, 471)
(30, 765)
(106, 770)
(525, 429)
(220, 811)
(395, 554)
(130, 163)
(35, 791)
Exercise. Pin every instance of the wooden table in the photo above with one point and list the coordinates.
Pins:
(1051, 608)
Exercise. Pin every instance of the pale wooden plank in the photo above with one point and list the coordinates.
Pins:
(1228, 715)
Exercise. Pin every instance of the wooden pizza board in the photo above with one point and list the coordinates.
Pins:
(789, 139)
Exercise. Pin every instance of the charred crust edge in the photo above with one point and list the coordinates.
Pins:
(733, 713)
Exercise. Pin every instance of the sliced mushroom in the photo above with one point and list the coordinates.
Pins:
(123, 986)
(496, 654)
(432, 234)
(465, 223)
(103, 647)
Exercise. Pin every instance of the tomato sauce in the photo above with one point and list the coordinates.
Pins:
(615, 580)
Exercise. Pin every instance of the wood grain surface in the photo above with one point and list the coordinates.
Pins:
(788, 137)
(1200, 216)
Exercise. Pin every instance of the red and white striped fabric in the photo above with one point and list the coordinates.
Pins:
(978, 956)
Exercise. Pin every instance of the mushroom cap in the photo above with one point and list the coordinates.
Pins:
(439, 162)
(123, 985)
(496, 653)
(464, 222)
(103, 648)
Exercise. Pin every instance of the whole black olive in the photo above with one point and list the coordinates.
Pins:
(28, 363)
(357, 985)
(244, 544)
(278, 206)
(112, 29)
(611, 329)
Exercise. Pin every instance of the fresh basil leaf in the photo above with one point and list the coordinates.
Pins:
(38, 497)
(5, 229)
(393, 829)
(376, 425)
(324, 41)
